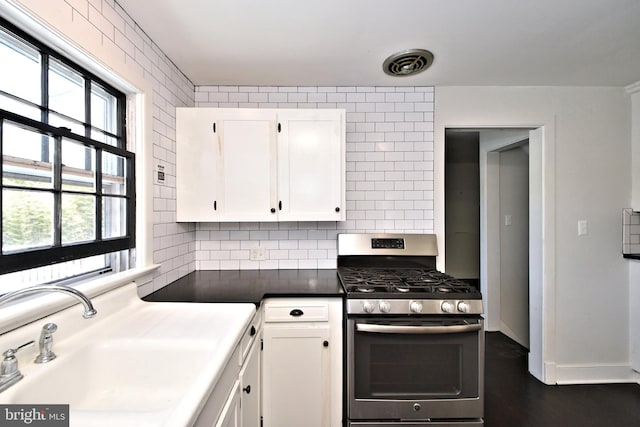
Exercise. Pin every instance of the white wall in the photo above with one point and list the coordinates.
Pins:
(389, 183)
(100, 35)
(634, 267)
(514, 244)
(586, 176)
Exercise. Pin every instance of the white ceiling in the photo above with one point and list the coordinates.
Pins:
(344, 42)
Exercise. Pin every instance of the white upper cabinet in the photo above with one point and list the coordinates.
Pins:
(311, 165)
(248, 173)
(198, 150)
(260, 165)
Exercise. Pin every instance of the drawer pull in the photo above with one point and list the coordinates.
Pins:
(325, 343)
(296, 312)
(252, 331)
(247, 389)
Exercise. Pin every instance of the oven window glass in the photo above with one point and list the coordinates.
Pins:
(415, 366)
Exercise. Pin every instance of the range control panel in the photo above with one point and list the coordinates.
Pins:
(382, 243)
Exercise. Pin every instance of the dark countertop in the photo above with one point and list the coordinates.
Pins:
(631, 256)
(249, 286)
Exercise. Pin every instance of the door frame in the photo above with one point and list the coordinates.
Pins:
(542, 306)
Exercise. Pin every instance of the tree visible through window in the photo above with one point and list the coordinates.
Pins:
(67, 201)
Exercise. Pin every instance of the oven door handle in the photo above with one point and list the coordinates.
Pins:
(391, 329)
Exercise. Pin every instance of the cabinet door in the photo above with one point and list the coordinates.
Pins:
(297, 380)
(248, 151)
(311, 165)
(230, 416)
(250, 385)
(197, 165)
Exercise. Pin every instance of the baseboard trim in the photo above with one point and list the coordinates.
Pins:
(595, 374)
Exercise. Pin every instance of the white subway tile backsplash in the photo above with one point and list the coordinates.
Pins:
(389, 174)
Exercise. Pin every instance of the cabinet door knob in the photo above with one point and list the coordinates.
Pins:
(296, 312)
(337, 208)
(247, 389)
(252, 331)
(273, 210)
(325, 343)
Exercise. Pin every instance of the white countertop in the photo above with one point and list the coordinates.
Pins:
(190, 344)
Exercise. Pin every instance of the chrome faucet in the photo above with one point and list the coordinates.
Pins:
(89, 311)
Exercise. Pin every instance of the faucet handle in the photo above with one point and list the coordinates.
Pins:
(9, 373)
(10, 363)
(9, 353)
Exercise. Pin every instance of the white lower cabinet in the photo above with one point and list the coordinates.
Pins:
(302, 359)
(250, 387)
(235, 400)
(230, 415)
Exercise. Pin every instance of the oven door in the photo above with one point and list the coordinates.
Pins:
(419, 369)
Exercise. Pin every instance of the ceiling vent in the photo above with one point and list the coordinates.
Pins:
(408, 62)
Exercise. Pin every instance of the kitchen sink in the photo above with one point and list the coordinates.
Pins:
(135, 363)
(116, 375)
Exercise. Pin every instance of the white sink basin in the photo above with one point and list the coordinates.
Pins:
(117, 375)
(142, 364)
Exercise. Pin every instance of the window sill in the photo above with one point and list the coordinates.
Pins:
(27, 310)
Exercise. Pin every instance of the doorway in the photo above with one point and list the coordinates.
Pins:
(487, 226)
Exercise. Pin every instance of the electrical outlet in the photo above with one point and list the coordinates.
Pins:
(257, 254)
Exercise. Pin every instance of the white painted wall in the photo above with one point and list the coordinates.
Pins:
(634, 266)
(586, 175)
(514, 244)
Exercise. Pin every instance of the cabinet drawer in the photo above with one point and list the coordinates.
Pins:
(307, 311)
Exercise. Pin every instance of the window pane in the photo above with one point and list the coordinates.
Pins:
(66, 90)
(27, 159)
(24, 109)
(101, 137)
(113, 176)
(22, 77)
(27, 219)
(104, 107)
(78, 218)
(114, 223)
(63, 122)
(79, 167)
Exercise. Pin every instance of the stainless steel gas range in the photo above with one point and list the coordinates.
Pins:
(415, 340)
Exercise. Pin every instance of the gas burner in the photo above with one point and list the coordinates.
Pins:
(401, 281)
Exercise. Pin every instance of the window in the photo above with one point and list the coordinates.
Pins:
(67, 197)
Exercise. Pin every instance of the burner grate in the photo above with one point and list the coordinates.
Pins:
(401, 281)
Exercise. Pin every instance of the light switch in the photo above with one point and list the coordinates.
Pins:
(583, 229)
(507, 220)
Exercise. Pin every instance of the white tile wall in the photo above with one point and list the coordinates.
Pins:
(106, 20)
(389, 182)
(630, 232)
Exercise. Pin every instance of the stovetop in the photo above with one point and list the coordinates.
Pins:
(364, 282)
(396, 275)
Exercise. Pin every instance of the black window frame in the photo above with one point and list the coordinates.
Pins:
(13, 261)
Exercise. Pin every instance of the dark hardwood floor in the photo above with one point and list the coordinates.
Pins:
(514, 398)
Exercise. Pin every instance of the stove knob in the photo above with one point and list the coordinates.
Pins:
(463, 306)
(447, 307)
(415, 306)
(384, 306)
(368, 307)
